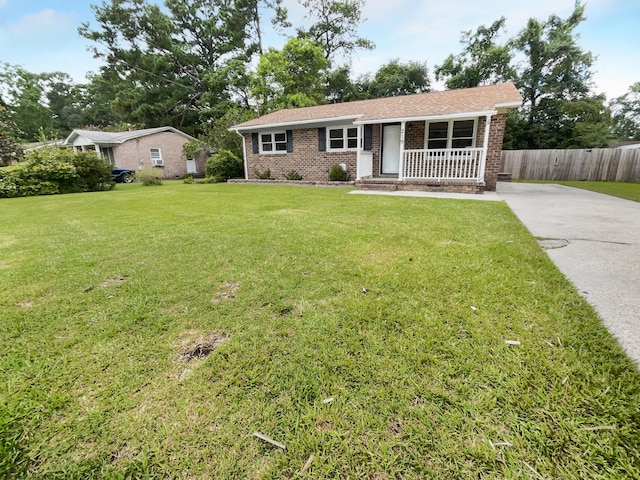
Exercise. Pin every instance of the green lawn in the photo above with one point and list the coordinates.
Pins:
(630, 191)
(397, 309)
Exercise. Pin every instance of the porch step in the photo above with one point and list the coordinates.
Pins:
(381, 185)
(392, 185)
(504, 176)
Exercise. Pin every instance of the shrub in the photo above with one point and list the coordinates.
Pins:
(188, 179)
(337, 174)
(266, 175)
(94, 173)
(149, 176)
(51, 170)
(224, 165)
(292, 175)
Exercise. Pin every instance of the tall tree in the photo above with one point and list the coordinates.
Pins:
(626, 114)
(171, 63)
(396, 78)
(483, 61)
(335, 26)
(291, 77)
(555, 71)
(279, 21)
(10, 149)
(25, 99)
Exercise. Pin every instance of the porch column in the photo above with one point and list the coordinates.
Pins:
(401, 161)
(358, 151)
(485, 148)
(98, 151)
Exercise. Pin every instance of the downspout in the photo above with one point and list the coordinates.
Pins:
(401, 159)
(244, 156)
(360, 147)
(485, 149)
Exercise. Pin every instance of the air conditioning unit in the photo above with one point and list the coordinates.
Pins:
(156, 157)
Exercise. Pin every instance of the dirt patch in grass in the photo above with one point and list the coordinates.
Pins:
(118, 279)
(229, 293)
(202, 347)
(24, 304)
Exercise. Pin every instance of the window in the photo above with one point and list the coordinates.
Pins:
(273, 142)
(156, 157)
(451, 134)
(343, 138)
(107, 154)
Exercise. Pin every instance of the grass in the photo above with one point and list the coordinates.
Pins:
(627, 190)
(396, 308)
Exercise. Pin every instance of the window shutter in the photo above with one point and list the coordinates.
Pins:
(322, 139)
(368, 137)
(254, 141)
(289, 141)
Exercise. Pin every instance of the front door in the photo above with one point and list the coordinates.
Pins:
(191, 166)
(390, 149)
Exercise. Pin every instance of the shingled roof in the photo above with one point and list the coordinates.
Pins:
(478, 100)
(99, 137)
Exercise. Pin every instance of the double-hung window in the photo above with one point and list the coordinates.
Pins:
(451, 134)
(273, 142)
(343, 138)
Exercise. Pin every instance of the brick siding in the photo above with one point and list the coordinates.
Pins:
(314, 165)
(134, 154)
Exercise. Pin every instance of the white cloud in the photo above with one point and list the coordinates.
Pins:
(43, 20)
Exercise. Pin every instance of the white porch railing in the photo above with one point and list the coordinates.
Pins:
(442, 164)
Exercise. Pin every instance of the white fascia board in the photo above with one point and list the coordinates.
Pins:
(428, 118)
(512, 104)
(318, 121)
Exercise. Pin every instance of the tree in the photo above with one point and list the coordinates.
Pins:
(482, 60)
(10, 149)
(25, 101)
(278, 22)
(395, 78)
(336, 26)
(555, 71)
(170, 64)
(626, 114)
(290, 78)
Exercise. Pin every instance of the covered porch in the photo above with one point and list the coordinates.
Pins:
(438, 153)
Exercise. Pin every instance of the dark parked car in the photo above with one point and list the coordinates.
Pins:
(123, 175)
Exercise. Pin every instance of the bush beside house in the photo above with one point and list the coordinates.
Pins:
(224, 165)
(51, 170)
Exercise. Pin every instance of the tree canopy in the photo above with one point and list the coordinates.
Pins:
(626, 114)
(200, 65)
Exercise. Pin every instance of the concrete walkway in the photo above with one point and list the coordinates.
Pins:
(594, 239)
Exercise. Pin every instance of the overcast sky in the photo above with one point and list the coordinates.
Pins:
(41, 35)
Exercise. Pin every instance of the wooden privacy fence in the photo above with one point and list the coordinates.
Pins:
(593, 164)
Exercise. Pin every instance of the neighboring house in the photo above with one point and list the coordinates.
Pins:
(626, 145)
(159, 147)
(439, 141)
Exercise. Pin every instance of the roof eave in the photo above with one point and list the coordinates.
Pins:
(427, 118)
(263, 126)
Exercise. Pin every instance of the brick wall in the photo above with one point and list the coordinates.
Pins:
(134, 154)
(314, 165)
(496, 137)
(305, 159)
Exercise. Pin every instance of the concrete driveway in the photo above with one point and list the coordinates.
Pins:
(594, 239)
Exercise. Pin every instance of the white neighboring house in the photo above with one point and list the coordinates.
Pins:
(159, 147)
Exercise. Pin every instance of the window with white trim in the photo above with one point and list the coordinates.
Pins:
(107, 154)
(273, 142)
(451, 134)
(156, 157)
(343, 138)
